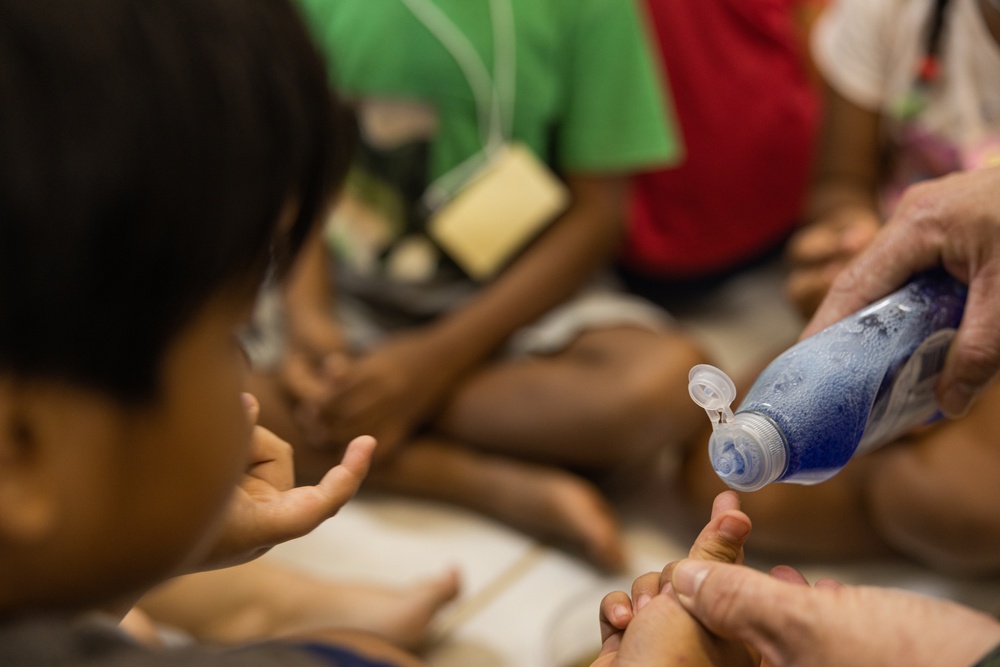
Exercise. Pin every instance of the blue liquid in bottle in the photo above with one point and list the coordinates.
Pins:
(857, 384)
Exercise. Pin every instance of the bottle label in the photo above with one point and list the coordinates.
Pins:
(910, 399)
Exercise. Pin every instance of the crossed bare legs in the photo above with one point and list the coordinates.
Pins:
(543, 501)
(511, 438)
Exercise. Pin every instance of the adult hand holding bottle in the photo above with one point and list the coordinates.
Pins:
(953, 221)
(747, 617)
(830, 625)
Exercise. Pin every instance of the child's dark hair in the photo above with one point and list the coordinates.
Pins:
(147, 151)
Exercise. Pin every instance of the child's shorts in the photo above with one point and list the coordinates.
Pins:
(600, 305)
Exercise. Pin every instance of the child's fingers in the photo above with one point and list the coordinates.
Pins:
(722, 538)
(789, 574)
(299, 510)
(645, 588)
(252, 406)
(343, 480)
(725, 501)
(815, 244)
(616, 612)
(271, 460)
(806, 287)
(336, 366)
(305, 382)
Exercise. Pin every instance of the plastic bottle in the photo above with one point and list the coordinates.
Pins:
(857, 384)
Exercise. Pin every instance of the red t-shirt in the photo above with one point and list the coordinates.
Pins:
(748, 112)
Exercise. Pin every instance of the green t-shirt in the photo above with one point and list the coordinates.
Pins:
(584, 95)
(587, 98)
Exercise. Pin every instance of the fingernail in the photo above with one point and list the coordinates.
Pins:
(620, 612)
(642, 601)
(733, 529)
(688, 577)
(250, 404)
(667, 589)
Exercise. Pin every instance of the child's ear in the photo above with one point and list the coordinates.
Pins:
(27, 504)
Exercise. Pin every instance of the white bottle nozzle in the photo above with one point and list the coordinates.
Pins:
(713, 390)
(747, 450)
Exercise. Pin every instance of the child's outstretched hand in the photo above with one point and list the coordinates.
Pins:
(267, 508)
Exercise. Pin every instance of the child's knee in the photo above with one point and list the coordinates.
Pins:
(654, 397)
(948, 521)
(658, 383)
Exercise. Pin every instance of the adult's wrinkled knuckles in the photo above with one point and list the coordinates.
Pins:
(921, 204)
(727, 602)
(797, 626)
(765, 613)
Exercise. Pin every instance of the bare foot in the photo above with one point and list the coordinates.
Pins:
(262, 600)
(545, 502)
(401, 615)
(560, 508)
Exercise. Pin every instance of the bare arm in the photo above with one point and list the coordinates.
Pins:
(309, 298)
(582, 240)
(804, 15)
(842, 215)
(390, 391)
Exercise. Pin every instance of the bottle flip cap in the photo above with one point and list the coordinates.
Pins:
(713, 390)
(747, 450)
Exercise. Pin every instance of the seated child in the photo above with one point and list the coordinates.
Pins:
(503, 382)
(159, 156)
(748, 108)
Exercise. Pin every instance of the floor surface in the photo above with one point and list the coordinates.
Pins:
(527, 605)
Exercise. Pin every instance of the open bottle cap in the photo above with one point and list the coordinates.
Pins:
(747, 450)
(713, 390)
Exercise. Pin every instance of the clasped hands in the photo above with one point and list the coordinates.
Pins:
(388, 392)
(710, 610)
(654, 628)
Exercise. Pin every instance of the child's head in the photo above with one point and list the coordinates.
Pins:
(150, 149)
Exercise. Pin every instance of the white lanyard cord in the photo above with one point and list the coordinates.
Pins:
(494, 94)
